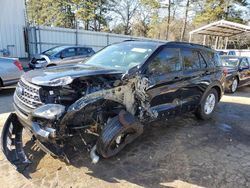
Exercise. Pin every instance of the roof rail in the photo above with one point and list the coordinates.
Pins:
(188, 43)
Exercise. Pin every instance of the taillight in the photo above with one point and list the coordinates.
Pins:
(18, 64)
(225, 71)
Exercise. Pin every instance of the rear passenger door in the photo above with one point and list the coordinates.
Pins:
(164, 74)
(196, 76)
(68, 56)
(83, 53)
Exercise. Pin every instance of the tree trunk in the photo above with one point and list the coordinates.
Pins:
(168, 21)
(185, 21)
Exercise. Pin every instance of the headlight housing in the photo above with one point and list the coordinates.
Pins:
(49, 111)
(57, 82)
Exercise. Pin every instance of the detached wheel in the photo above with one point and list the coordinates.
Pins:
(115, 137)
(207, 105)
(234, 85)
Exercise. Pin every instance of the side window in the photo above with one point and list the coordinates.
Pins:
(83, 51)
(166, 61)
(191, 59)
(69, 52)
(244, 63)
(212, 59)
(203, 63)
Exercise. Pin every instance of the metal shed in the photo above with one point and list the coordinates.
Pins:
(222, 28)
(12, 23)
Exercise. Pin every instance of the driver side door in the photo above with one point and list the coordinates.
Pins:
(165, 74)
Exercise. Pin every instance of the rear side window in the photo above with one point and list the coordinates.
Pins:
(203, 63)
(83, 51)
(191, 59)
(166, 61)
(69, 52)
(213, 59)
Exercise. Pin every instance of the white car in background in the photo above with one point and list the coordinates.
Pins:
(11, 70)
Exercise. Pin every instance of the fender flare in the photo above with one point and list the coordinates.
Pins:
(217, 85)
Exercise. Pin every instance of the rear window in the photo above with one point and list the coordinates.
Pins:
(230, 61)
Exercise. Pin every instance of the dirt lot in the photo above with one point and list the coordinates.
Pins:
(183, 152)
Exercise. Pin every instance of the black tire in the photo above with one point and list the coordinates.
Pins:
(232, 89)
(200, 112)
(107, 145)
(51, 65)
(1, 84)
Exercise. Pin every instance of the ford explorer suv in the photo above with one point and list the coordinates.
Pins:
(111, 97)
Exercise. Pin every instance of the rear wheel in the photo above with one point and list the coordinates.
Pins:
(207, 105)
(234, 85)
(115, 137)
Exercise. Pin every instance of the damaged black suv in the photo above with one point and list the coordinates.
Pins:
(111, 96)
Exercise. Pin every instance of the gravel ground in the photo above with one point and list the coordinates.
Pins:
(182, 152)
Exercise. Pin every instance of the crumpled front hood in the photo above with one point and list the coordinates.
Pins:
(39, 58)
(75, 71)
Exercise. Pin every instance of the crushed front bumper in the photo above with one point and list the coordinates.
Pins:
(12, 142)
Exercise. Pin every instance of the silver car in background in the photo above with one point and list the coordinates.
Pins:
(60, 55)
(10, 71)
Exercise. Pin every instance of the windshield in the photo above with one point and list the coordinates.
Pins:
(52, 51)
(230, 61)
(122, 56)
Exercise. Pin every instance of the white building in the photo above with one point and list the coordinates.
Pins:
(12, 22)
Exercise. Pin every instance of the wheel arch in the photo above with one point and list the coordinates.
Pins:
(217, 86)
(83, 110)
(219, 92)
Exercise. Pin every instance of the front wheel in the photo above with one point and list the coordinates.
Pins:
(115, 137)
(207, 105)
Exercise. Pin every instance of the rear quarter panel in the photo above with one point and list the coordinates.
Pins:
(9, 73)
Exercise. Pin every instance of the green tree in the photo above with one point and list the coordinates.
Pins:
(50, 13)
(67, 13)
(220, 9)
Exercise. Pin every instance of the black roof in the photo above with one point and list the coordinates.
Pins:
(172, 43)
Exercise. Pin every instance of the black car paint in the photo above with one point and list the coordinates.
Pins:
(72, 70)
(167, 95)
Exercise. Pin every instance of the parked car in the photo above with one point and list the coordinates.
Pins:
(10, 71)
(230, 52)
(61, 55)
(238, 72)
(111, 96)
